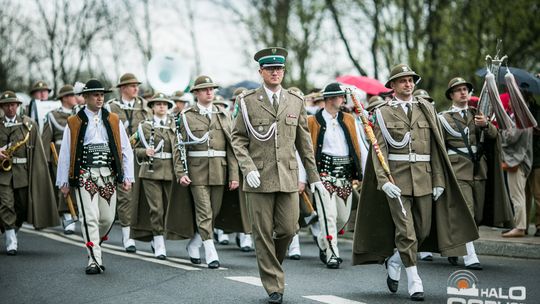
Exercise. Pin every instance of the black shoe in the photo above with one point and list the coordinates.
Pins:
(161, 257)
(417, 296)
(453, 260)
(12, 252)
(68, 232)
(213, 264)
(195, 261)
(392, 284)
(333, 263)
(275, 298)
(475, 266)
(428, 258)
(131, 249)
(93, 269)
(322, 256)
(295, 257)
(238, 241)
(224, 242)
(245, 249)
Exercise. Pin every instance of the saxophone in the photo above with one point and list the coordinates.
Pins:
(7, 162)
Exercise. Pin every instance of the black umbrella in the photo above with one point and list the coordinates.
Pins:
(525, 80)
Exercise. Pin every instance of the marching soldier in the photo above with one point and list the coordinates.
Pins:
(53, 132)
(132, 110)
(25, 184)
(155, 154)
(416, 179)
(180, 102)
(210, 160)
(39, 92)
(269, 128)
(424, 94)
(95, 155)
(335, 136)
(462, 128)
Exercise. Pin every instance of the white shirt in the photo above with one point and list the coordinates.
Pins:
(96, 133)
(128, 103)
(403, 104)
(11, 120)
(334, 143)
(270, 93)
(458, 109)
(158, 120)
(205, 110)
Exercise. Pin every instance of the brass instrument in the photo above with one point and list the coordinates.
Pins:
(134, 139)
(7, 162)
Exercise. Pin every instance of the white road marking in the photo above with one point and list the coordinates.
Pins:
(332, 299)
(107, 248)
(248, 280)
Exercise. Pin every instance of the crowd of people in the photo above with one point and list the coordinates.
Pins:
(263, 164)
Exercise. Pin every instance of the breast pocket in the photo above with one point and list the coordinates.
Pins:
(396, 129)
(291, 124)
(261, 125)
(424, 130)
(198, 130)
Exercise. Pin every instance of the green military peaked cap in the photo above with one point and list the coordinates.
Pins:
(272, 56)
(40, 85)
(9, 97)
(203, 82)
(454, 82)
(401, 70)
(65, 91)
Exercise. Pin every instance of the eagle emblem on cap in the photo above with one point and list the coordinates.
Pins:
(6, 96)
(405, 69)
(207, 79)
(40, 84)
(460, 79)
(274, 50)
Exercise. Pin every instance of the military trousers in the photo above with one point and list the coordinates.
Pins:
(413, 228)
(274, 222)
(207, 201)
(157, 194)
(474, 192)
(13, 206)
(96, 214)
(517, 181)
(333, 216)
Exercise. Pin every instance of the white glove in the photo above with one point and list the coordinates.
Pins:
(391, 190)
(437, 192)
(253, 180)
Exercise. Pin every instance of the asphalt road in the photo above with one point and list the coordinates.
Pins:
(50, 269)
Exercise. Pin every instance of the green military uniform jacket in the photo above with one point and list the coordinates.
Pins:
(130, 117)
(275, 159)
(208, 171)
(452, 223)
(34, 174)
(53, 130)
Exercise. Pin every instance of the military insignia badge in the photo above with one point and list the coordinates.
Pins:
(274, 50)
(261, 128)
(405, 69)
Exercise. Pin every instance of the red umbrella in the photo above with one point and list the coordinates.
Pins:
(369, 85)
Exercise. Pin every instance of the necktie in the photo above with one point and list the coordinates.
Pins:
(464, 113)
(275, 102)
(161, 122)
(409, 110)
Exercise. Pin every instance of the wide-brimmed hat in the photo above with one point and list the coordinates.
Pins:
(219, 100)
(454, 82)
(39, 85)
(401, 70)
(333, 89)
(237, 92)
(177, 96)
(272, 56)
(160, 97)
(65, 91)
(203, 82)
(94, 85)
(127, 78)
(9, 97)
(423, 94)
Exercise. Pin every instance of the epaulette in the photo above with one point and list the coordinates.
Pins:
(111, 101)
(246, 93)
(295, 93)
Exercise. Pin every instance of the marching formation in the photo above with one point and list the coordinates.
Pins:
(169, 169)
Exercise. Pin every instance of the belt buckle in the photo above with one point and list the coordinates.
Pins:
(412, 157)
(211, 153)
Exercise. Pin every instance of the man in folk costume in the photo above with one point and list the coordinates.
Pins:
(132, 110)
(53, 131)
(210, 161)
(95, 156)
(335, 137)
(39, 92)
(411, 172)
(462, 127)
(270, 127)
(26, 192)
(157, 141)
